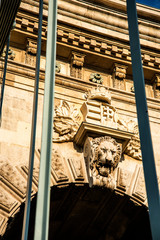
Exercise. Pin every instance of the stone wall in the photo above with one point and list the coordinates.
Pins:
(92, 49)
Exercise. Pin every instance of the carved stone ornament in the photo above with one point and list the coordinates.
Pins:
(102, 156)
(77, 61)
(58, 67)
(58, 166)
(11, 53)
(31, 46)
(66, 122)
(98, 111)
(31, 50)
(119, 74)
(96, 78)
(156, 86)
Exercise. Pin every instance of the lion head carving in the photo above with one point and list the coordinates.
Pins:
(106, 154)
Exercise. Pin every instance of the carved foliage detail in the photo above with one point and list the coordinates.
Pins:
(66, 122)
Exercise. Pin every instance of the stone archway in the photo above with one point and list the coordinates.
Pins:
(81, 212)
(92, 191)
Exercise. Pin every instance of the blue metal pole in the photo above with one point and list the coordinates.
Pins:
(33, 130)
(4, 78)
(143, 122)
(43, 197)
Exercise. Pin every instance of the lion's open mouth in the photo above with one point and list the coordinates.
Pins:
(104, 169)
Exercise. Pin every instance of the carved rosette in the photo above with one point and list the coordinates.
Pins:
(96, 78)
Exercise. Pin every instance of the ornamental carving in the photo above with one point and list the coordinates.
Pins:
(12, 178)
(156, 86)
(58, 166)
(102, 156)
(58, 67)
(31, 46)
(119, 74)
(96, 78)
(77, 61)
(66, 122)
(31, 50)
(11, 53)
(98, 110)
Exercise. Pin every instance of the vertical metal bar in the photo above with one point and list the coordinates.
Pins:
(43, 197)
(143, 122)
(4, 78)
(33, 130)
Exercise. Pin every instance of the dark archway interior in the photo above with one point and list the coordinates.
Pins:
(80, 212)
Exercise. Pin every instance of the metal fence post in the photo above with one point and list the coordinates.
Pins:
(43, 197)
(143, 122)
(33, 130)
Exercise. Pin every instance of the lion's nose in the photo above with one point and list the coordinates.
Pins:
(109, 156)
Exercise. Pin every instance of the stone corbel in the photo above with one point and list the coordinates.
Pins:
(31, 50)
(77, 61)
(31, 46)
(156, 86)
(119, 75)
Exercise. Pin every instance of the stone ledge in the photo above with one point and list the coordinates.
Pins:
(89, 129)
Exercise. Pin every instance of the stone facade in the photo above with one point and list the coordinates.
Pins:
(95, 131)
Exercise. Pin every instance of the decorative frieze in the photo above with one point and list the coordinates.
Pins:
(107, 48)
(77, 61)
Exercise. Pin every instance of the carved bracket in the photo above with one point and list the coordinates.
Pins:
(31, 50)
(77, 61)
(119, 75)
(156, 86)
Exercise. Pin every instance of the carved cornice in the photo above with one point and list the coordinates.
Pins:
(107, 48)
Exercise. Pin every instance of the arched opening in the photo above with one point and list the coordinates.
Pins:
(80, 212)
